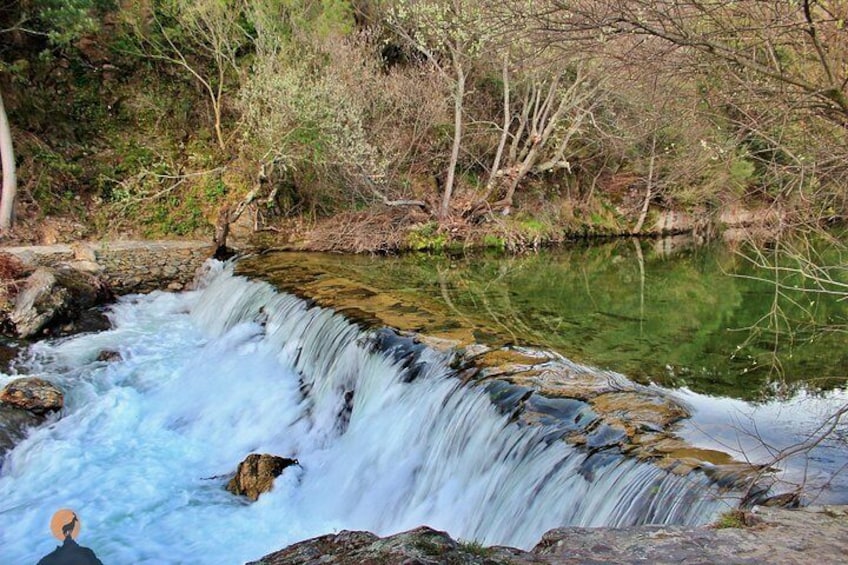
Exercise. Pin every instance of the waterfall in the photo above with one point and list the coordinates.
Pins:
(386, 436)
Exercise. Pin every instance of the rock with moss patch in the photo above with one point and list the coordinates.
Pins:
(421, 546)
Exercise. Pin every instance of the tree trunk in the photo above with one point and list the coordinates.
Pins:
(459, 94)
(7, 159)
(650, 186)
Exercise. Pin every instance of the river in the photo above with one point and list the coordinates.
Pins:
(145, 443)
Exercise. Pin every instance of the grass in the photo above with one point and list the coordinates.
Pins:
(475, 547)
(735, 518)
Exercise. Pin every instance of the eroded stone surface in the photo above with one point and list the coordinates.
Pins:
(53, 296)
(778, 536)
(33, 394)
(421, 546)
(14, 423)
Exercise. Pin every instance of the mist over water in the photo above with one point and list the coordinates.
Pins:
(145, 444)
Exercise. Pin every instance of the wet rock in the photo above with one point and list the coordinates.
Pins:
(14, 423)
(421, 546)
(780, 537)
(507, 397)
(33, 394)
(37, 303)
(639, 410)
(784, 500)
(55, 296)
(109, 356)
(568, 380)
(256, 474)
(8, 353)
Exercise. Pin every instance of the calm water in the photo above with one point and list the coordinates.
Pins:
(690, 319)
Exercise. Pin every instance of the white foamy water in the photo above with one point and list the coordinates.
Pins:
(144, 445)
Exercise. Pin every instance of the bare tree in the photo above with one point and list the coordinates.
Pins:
(458, 31)
(791, 49)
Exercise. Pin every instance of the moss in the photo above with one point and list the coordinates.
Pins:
(475, 547)
(427, 237)
(491, 241)
(735, 518)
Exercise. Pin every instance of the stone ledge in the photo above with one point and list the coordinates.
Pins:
(778, 537)
(127, 266)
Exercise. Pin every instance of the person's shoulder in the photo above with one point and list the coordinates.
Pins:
(92, 557)
(50, 558)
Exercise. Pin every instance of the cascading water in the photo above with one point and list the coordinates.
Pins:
(385, 442)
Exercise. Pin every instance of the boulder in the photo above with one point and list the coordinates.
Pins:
(55, 296)
(33, 394)
(14, 424)
(256, 474)
(109, 355)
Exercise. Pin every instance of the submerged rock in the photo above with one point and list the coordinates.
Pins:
(256, 474)
(109, 355)
(33, 394)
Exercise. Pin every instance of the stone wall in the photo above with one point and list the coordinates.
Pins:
(127, 266)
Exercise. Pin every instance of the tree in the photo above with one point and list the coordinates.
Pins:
(450, 34)
(60, 22)
(7, 158)
(797, 49)
(190, 34)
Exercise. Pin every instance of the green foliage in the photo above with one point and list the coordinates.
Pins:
(475, 547)
(731, 519)
(494, 242)
(54, 184)
(66, 20)
(427, 237)
(742, 172)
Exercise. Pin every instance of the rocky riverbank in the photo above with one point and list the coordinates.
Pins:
(772, 535)
(57, 290)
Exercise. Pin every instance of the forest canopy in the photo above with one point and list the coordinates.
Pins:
(153, 117)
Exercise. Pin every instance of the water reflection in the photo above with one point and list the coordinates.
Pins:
(664, 311)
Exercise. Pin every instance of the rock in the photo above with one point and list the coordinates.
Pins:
(83, 252)
(36, 304)
(86, 267)
(54, 296)
(33, 394)
(14, 423)
(256, 474)
(108, 355)
(780, 536)
(421, 546)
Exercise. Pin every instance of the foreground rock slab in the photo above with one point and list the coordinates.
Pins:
(778, 536)
(421, 546)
